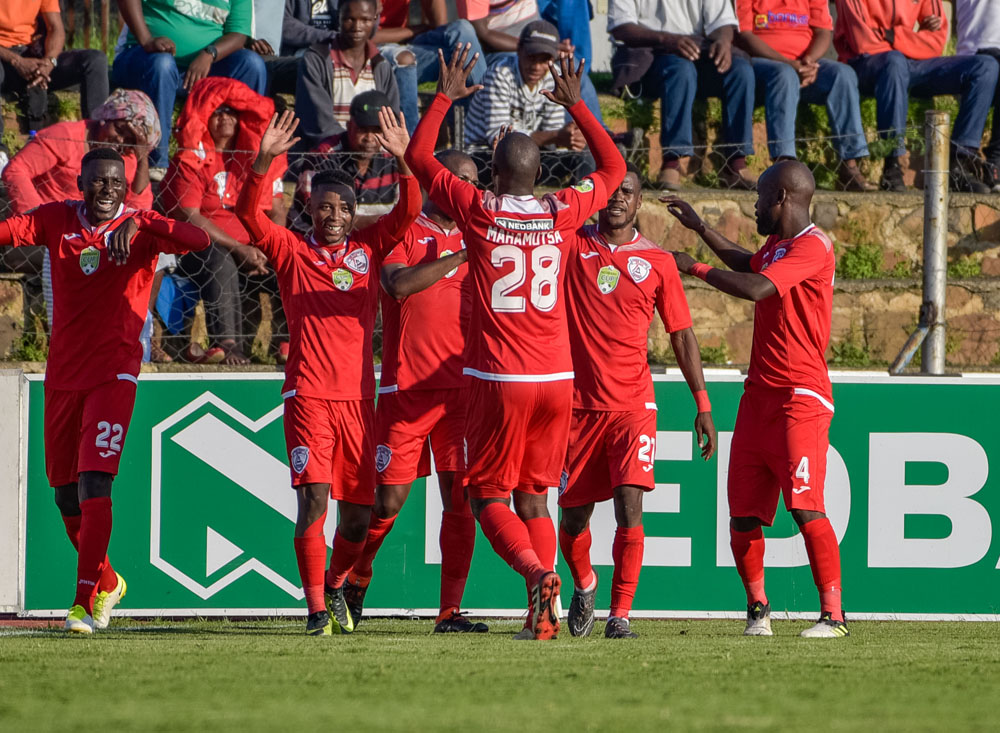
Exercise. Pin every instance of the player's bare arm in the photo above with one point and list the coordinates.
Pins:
(453, 74)
(394, 137)
(120, 241)
(278, 139)
(747, 285)
(685, 346)
(735, 257)
(401, 281)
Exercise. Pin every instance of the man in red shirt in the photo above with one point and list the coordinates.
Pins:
(782, 429)
(615, 281)
(521, 395)
(329, 287)
(423, 395)
(103, 259)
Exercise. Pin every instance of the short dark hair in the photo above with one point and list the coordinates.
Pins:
(102, 154)
(333, 177)
(630, 167)
(344, 3)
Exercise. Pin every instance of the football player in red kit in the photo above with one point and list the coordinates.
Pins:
(422, 397)
(615, 281)
(329, 288)
(520, 399)
(103, 259)
(782, 427)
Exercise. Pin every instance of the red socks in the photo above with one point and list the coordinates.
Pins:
(627, 554)
(510, 539)
(310, 551)
(109, 578)
(377, 530)
(345, 554)
(95, 534)
(543, 540)
(748, 552)
(458, 540)
(576, 552)
(824, 559)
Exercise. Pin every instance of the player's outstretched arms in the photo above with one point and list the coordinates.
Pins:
(278, 139)
(400, 281)
(735, 257)
(746, 285)
(167, 235)
(685, 345)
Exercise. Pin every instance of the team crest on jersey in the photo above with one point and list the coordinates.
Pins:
(778, 254)
(383, 454)
(221, 178)
(300, 458)
(342, 279)
(584, 186)
(607, 279)
(90, 260)
(563, 482)
(638, 268)
(357, 261)
(445, 253)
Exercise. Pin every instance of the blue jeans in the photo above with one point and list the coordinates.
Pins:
(891, 77)
(836, 86)
(572, 18)
(425, 48)
(679, 81)
(159, 76)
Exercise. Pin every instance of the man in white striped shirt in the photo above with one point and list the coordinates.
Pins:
(512, 97)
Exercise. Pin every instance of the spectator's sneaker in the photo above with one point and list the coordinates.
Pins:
(157, 174)
(758, 620)
(544, 620)
(850, 178)
(991, 175)
(319, 624)
(158, 356)
(827, 628)
(78, 621)
(967, 175)
(336, 606)
(581, 611)
(215, 355)
(618, 628)
(741, 180)
(457, 623)
(669, 179)
(892, 178)
(354, 597)
(105, 601)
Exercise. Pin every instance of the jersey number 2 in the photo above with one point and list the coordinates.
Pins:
(544, 278)
(110, 437)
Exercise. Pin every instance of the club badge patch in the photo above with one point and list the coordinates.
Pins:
(357, 261)
(383, 454)
(563, 482)
(638, 268)
(584, 186)
(343, 279)
(300, 457)
(445, 253)
(90, 260)
(607, 279)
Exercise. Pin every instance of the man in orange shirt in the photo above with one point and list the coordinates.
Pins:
(30, 66)
(877, 38)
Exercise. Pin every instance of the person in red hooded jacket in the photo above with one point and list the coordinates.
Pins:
(896, 49)
(222, 121)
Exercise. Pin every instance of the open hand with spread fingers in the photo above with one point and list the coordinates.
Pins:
(453, 74)
(504, 131)
(567, 89)
(394, 137)
(277, 137)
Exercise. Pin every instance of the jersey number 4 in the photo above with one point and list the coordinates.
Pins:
(544, 278)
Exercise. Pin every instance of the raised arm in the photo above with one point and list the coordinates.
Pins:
(277, 140)
(735, 257)
(401, 281)
(390, 228)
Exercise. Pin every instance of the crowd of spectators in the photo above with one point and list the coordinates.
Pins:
(225, 64)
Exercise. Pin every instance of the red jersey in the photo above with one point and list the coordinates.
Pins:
(791, 329)
(330, 295)
(785, 25)
(98, 307)
(517, 251)
(611, 295)
(423, 335)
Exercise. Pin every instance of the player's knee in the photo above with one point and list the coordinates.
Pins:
(68, 500)
(573, 522)
(628, 506)
(804, 516)
(388, 503)
(530, 506)
(95, 484)
(744, 524)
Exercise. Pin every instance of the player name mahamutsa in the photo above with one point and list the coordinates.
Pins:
(523, 239)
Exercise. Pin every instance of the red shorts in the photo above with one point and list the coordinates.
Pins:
(779, 444)
(516, 435)
(409, 424)
(85, 429)
(332, 442)
(608, 449)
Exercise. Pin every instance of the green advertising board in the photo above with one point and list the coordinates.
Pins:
(203, 513)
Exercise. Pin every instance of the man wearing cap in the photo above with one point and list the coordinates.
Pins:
(357, 153)
(512, 97)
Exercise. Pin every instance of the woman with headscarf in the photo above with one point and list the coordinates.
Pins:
(217, 136)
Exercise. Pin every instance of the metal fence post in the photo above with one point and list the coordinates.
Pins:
(937, 133)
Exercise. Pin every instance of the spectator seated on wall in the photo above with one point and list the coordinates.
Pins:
(222, 123)
(357, 154)
(977, 24)
(170, 45)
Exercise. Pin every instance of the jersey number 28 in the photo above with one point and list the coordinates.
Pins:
(544, 278)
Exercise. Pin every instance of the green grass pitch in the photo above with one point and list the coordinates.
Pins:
(396, 675)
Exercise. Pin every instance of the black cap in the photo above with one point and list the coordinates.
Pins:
(365, 107)
(539, 36)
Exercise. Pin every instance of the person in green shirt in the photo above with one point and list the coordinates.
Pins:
(172, 44)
